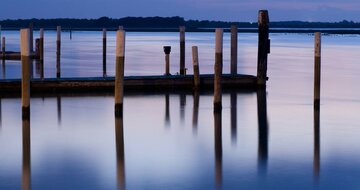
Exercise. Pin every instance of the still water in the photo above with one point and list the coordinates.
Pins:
(269, 139)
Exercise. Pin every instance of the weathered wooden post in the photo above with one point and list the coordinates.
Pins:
(263, 47)
(234, 49)
(104, 52)
(119, 77)
(182, 50)
(3, 48)
(25, 70)
(37, 48)
(41, 53)
(317, 69)
(58, 49)
(167, 50)
(31, 26)
(218, 69)
(196, 66)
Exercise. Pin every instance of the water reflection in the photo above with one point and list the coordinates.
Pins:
(218, 148)
(233, 116)
(26, 165)
(38, 68)
(182, 106)
(120, 155)
(317, 142)
(3, 66)
(263, 131)
(195, 116)
(167, 109)
(58, 105)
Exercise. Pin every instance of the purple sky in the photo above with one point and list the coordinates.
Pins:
(225, 10)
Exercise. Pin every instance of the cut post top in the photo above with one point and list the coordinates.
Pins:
(317, 44)
(41, 33)
(182, 33)
(25, 42)
(219, 40)
(58, 33)
(104, 32)
(120, 43)
(167, 49)
(263, 17)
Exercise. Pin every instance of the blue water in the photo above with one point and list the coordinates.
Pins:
(267, 140)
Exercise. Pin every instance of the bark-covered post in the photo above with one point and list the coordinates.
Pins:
(119, 77)
(263, 47)
(234, 49)
(167, 50)
(25, 70)
(218, 69)
(317, 69)
(58, 49)
(104, 52)
(195, 57)
(182, 50)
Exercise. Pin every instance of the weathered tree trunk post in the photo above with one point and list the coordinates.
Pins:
(195, 57)
(119, 77)
(104, 52)
(25, 70)
(218, 69)
(3, 48)
(167, 50)
(41, 53)
(58, 50)
(182, 50)
(263, 48)
(317, 69)
(234, 49)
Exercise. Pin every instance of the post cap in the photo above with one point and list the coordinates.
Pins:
(167, 49)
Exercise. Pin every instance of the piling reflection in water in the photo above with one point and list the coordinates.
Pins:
(182, 106)
(58, 105)
(218, 147)
(167, 110)
(317, 142)
(120, 154)
(195, 116)
(26, 165)
(233, 117)
(263, 130)
(37, 68)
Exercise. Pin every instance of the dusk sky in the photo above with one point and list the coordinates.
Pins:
(224, 10)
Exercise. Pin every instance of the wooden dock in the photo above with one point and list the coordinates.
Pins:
(131, 83)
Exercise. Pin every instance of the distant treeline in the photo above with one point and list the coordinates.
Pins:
(161, 23)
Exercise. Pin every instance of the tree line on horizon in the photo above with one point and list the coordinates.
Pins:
(162, 22)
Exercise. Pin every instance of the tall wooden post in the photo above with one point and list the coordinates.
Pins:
(195, 57)
(41, 53)
(167, 50)
(234, 49)
(104, 52)
(119, 77)
(25, 70)
(182, 50)
(58, 50)
(3, 48)
(263, 47)
(317, 69)
(218, 69)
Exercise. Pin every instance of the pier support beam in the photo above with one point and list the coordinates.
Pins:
(234, 49)
(119, 77)
(182, 50)
(317, 69)
(195, 57)
(218, 68)
(263, 47)
(167, 50)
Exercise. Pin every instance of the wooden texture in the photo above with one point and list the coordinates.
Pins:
(195, 58)
(234, 49)
(317, 68)
(218, 68)
(182, 50)
(263, 47)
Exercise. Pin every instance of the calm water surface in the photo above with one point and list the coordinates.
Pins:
(263, 140)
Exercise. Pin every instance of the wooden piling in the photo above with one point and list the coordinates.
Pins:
(25, 70)
(58, 50)
(104, 52)
(263, 47)
(182, 50)
(41, 53)
(195, 57)
(3, 48)
(317, 69)
(167, 50)
(31, 26)
(234, 49)
(37, 47)
(218, 69)
(119, 77)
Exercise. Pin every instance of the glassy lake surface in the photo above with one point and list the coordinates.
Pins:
(264, 140)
